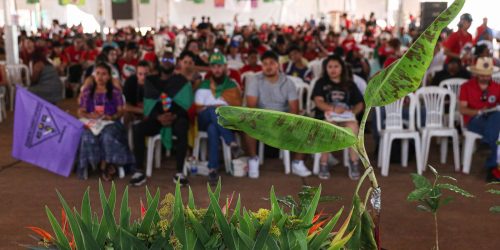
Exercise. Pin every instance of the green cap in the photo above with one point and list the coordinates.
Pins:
(217, 58)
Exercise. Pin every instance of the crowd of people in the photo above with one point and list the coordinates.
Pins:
(168, 81)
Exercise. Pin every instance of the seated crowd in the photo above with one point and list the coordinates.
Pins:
(170, 83)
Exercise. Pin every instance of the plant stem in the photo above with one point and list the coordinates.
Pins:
(361, 150)
(436, 226)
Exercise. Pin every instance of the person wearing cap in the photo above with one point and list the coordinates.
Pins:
(215, 91)
(456, 42)
(272, 90)
(479, 101)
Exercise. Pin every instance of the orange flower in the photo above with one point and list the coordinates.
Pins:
(44, 234)
(143, 210)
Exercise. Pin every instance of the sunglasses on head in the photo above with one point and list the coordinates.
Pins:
(167, 59)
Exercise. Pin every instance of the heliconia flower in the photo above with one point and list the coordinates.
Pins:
(44, 234)
(64, 222)
(228, 205)
(317, 216)
(315, 227)
(143, 210)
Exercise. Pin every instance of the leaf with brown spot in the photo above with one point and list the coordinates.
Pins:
(287, 131)
(411, 67)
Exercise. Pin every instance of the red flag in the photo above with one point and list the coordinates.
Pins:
(254, 4)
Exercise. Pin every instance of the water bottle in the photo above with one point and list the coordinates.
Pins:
(193, 165)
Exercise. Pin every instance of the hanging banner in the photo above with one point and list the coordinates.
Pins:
(254, 3)
(145, 1)
(199, 1)
(118, 1)
(219, 3)
(75, 2)
(32, 1)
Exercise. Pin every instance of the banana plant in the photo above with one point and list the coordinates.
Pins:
(306, 135)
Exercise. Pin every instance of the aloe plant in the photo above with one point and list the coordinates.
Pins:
(171, 224)
(306, 135)
(430, 196)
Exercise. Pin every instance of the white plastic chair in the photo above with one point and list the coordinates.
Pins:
(17, 74)
(310, 102)
(453, 84)
(394, 129)
(316, 67)
(3, 108)
(317, 158)
(235, 65)
(303, 91)
(200, 151)
(434, 100)
(360, 83)
(153, 153)
(468, 146)
(284, 155)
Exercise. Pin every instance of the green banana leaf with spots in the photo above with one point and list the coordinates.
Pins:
(404, 75)
(287, 131)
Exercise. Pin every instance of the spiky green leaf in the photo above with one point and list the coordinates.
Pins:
(61, 239)
(287, 131)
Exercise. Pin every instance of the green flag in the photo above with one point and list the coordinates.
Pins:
(118, 1)
(227, 84)
(32, 1)
(75, 2)
(182, 96)
(145, 1)
(198, 1)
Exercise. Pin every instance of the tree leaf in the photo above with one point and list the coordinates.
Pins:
(418, 194)
(423, 208)
(449, 178)
(75, 228)
(495, 209)
(227, 234)
(494, 191)
(433, 170)
(286, 131)
(447, 200)
(455, 189)
(404, 75)
(420, 181)
(86, 209)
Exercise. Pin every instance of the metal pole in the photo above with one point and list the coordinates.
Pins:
(138, 16)
(11, 33)
(102, 20)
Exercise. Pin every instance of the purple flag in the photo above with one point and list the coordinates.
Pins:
(44, 135)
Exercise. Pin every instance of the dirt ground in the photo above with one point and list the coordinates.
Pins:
(464, 224)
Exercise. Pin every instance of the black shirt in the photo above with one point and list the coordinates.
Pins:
(133, 91)
(444, 75)
(335, 94)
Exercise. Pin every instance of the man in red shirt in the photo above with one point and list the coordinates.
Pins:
(75, 54)
(479, 105)
(458, 40)
(128, 63)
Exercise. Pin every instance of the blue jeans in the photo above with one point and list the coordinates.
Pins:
(207, 121)
(487, 125)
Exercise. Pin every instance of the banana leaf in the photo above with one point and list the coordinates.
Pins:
(286, 131)
(404, 76)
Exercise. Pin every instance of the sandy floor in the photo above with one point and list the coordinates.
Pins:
(465, 224)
